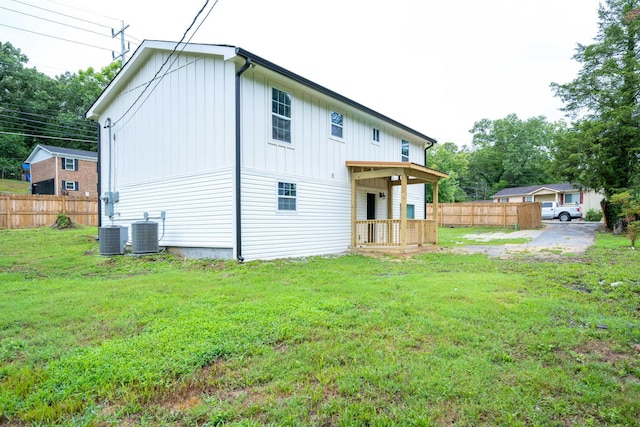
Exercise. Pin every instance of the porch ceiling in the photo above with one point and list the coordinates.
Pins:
(418, 173)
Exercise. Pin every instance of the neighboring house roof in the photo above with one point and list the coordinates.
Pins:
(532, 189)
(144, 51)
(62, 152)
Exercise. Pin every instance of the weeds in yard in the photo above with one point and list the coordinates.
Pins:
(437, 339)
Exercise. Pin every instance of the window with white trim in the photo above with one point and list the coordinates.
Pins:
(70, 185)
(528, 199)
(405, 151)
(280, 115)
(411, 211)
(376, 135)
(69, 164)
(337, 125)
(571, 198)
(287, 195)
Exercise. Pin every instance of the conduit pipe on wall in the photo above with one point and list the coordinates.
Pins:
(239, 73)
(99, 189)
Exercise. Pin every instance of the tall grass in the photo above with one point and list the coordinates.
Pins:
(437, 339)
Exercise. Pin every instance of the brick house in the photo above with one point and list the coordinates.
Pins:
(63, 171)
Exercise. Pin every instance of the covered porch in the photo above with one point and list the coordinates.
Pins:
(393, 235)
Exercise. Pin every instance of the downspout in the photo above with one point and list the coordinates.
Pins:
(425, 186)
(99, 129)
(239, 256)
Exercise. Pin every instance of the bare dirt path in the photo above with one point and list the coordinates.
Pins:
(553, 239)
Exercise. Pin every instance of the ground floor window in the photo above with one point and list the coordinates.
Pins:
(287, 194)
(571, 198)
(70, 185)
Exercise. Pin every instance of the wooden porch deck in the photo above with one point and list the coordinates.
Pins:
(383, 235)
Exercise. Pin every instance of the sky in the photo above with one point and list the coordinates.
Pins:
(435, 66)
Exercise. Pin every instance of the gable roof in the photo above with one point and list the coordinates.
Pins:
(62, 152)
(527, 191)
(144, 51)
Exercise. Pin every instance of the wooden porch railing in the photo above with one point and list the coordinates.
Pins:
(386, 232)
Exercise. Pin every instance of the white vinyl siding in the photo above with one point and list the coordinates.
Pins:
(198, 208)
(322, 224)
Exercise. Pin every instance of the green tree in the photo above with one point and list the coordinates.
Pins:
(447, 158)
(37, 109)
(22, 91)
(602, 149)
(511, 152)
(78, 92)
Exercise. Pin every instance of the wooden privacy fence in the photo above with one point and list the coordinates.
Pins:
(521, 215)
(29, 211)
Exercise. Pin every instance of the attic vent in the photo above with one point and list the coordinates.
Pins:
(144, 237)
(112, 240)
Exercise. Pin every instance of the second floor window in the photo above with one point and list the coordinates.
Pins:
(69, 164)
(376, 135)
(337, 124)
(405, 151)
(280, 115)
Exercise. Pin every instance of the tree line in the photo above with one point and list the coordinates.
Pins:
(38, 109)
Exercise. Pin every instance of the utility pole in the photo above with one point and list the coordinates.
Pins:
(123, 51)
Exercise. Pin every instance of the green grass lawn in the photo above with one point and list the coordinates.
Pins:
(435, 339)
(13, 186)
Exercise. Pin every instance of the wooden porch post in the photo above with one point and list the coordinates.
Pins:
(403, 212)
(354, 207)
(435, 207)
(389, 199)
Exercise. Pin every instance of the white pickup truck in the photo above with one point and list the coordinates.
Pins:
(553, 210)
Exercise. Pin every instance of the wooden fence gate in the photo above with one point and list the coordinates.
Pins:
(30, 211)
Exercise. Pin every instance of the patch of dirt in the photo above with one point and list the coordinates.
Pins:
(602, 352)
(521, 234)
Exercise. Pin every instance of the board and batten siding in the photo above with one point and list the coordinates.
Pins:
(182, 126)
(198, 209)
(320, 225)
(313, 152)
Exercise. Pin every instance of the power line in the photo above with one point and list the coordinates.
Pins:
(55, 22)
(21, 122)
(61, 14)
(49, 137)
(169, 57)
(54, 37)
(83, 10)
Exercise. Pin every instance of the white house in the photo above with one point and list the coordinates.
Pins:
(248, 160)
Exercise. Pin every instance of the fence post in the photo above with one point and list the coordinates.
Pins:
(8, 211)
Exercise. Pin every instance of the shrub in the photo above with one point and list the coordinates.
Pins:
(594, 215)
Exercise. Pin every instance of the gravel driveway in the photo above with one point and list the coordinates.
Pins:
(554, 238)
